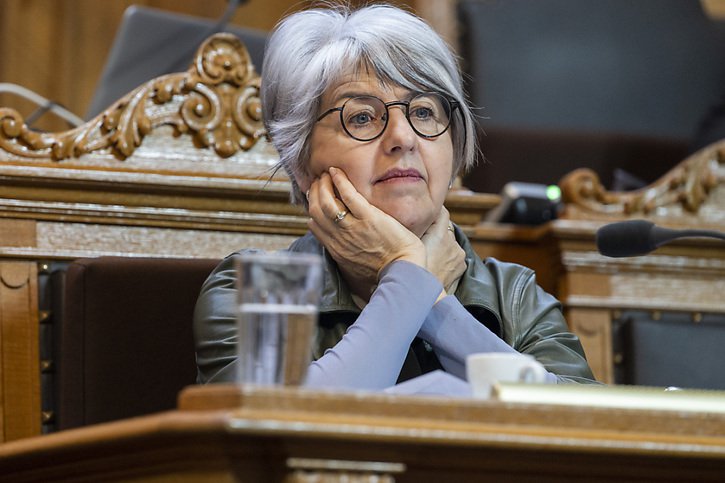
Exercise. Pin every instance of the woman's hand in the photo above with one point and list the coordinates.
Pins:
(365, 239)
(444, 257)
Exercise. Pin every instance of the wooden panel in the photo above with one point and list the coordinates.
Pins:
(76, 240)
(20, 352)
(528, 246)
(594, 329)
(29, 31)
(588, 283)
(17, 233)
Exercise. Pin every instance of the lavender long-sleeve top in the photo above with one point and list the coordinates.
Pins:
(403, 306)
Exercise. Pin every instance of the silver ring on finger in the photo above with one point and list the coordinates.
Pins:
(340, 216)
(450, 227)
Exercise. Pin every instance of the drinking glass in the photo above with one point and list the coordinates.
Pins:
(278, 296)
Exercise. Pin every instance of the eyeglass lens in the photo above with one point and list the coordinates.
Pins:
(366, 117)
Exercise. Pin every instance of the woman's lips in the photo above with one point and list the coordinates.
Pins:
(400, 175)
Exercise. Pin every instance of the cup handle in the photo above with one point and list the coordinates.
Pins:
(532, 373)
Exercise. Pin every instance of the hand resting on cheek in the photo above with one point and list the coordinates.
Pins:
(366, 239)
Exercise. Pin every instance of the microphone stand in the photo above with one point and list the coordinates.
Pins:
(662, 236)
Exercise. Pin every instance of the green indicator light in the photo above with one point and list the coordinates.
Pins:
(553, 192)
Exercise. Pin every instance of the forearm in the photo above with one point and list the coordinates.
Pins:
(372, 352)
(455, 334)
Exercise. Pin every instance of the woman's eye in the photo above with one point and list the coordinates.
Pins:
(422, 113)
(360, 119)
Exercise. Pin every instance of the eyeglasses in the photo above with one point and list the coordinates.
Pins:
(365, 118)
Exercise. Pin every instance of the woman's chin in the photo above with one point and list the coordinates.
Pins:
(414, 222)
(415, 213)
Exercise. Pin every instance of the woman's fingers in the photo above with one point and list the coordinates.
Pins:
(445, 258)
(324, 207)
(350, 197)
(329, 202)
(441, 224)
(360, 237)
(338, 200)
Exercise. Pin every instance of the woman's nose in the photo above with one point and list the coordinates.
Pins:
(399, 134)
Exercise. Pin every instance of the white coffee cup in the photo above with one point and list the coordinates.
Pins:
(485, 369)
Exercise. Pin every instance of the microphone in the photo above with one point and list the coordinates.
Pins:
(639, 237)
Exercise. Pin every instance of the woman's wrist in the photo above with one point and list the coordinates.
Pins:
(414, 256)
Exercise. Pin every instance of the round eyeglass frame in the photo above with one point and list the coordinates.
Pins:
(451, 102)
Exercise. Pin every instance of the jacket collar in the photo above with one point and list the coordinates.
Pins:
(477, 288)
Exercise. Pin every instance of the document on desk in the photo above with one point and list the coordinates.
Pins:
(616, 396)
(436, 383)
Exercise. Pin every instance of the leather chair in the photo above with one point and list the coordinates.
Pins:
(152, 42)
(670, 349)
(126, 345)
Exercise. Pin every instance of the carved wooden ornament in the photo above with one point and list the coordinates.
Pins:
(682, 191)
(220, 109)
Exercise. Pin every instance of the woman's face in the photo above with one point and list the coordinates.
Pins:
(401, 173)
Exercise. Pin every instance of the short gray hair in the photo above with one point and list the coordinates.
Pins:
(309, 51)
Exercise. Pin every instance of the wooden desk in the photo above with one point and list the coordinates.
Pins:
(684, 277)
(297, 435)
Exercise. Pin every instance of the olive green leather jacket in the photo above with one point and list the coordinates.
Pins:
(502, 296)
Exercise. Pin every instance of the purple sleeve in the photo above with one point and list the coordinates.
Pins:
(454, 334)
(372, 352)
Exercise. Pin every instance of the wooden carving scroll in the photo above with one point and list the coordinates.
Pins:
(683, 191)
(221, 110)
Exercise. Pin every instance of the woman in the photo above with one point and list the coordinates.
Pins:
(367, 112)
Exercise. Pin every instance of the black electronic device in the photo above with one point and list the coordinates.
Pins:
(527, 204)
